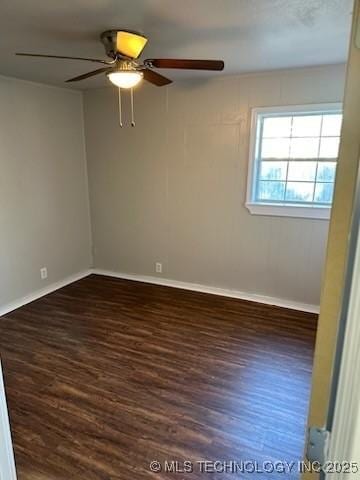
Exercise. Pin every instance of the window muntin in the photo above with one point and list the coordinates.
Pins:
(295, 156)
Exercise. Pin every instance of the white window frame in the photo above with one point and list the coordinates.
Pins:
(282, 209)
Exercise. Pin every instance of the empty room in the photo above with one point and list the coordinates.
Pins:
(176, 206)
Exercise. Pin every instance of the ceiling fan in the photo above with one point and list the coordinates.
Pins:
(124, 70)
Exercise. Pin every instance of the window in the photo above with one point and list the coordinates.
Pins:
(293, 158)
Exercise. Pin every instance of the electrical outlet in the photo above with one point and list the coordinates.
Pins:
(158, 267)
(43, 273)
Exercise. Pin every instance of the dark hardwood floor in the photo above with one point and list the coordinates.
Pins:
(105, 376)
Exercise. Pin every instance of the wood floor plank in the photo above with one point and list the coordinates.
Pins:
(106, 375)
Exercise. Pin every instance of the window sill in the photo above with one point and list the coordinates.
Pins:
(296, 211)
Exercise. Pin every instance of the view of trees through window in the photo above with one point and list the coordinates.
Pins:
(296, 157)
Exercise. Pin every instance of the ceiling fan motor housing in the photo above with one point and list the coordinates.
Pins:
(108, 39)
(117, 43)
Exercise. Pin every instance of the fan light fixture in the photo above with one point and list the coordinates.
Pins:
(125, 79)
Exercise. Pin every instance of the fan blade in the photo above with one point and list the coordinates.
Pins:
(155, 78)
(130, 44)
(89, 74)
(185, 64)
(66, 58)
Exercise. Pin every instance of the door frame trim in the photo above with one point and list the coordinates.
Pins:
(344, 410)
(347, 414)
(7, 460)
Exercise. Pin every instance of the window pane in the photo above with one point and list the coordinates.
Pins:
(299, 191)
(273, 170)
(326, 172)
(306, 126)
(331, 126)
(324, 192)
(296, 156)
(271, 191)
(276, 127)
(329, 147)
(302, 171)
(304, 148)
(275, 148)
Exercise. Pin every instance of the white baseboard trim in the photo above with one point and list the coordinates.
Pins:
(7, 461)
(4, 309)
(252, 297)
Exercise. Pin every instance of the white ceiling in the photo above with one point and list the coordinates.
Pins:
(249, 35)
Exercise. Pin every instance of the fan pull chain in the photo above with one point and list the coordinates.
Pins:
(120, 109)
(132, 108)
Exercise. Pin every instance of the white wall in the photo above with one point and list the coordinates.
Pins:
(44, 213)
(173, 188)
(170, 190)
